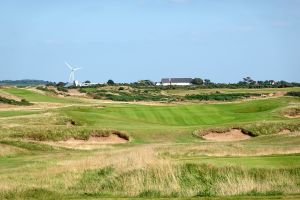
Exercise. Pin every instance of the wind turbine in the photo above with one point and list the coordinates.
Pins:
(72, 74)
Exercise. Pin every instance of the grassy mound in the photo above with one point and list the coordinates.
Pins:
(291, 112)
(253, 129)
(23, 102)
(37, 97)
(58, 133)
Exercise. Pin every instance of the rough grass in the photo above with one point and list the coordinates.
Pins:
(254, 129)
(293, 93)
(139, 172)
(184, 91)
(37, 97)
(172, 164)
(187, 180)
(59, 133)
(23, 102)
(220, 96)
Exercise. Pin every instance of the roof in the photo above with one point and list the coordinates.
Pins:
(165, 80)
(181, 80)
(176, 80)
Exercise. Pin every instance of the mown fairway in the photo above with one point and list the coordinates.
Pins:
(146, 122)
(163, 157)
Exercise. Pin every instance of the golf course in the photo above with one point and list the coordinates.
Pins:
(68, 146)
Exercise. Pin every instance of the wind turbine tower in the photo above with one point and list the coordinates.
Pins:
(72, 74)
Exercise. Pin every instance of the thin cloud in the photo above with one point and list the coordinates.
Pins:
(180, 1)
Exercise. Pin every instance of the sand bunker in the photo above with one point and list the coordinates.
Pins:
(232, 135)
(111, 139)
(92, 143)
(292, 116)
(292, 113)
(75, 92)
(284, 131)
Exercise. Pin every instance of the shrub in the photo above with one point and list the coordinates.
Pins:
(45, 89)
(62, 89)
(219, 96)
(293, 93)
(23, 102)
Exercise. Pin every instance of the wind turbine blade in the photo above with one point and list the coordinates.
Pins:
(68, 65)
(77, 68)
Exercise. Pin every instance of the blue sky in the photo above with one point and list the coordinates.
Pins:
(129, 40)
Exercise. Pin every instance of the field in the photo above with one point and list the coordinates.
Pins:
(83, 148)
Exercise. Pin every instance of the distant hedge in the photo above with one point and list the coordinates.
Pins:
(131, 97)
(23, 102)
(220, 96)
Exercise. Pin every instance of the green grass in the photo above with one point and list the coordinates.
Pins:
(183, 91)
(13, 113)
(164, 158)
(36, 97)
(273, 161)
(140, 120)
(180, 115)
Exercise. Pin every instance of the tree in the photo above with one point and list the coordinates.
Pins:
(60, 84)
(87, 81)
(145, 83)
(110, 82)
(207, 82)
(248, 80)
(197, 81)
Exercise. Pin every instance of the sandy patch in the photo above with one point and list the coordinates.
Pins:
(292, 113)
(75, 92)
(9, 96)
(292, 116)
(284, 131)
(232, 135)
(279, 94)
(6, 106)
(92, 143)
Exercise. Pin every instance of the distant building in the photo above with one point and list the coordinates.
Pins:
(176, 81)
(88, 84)
(80, 84)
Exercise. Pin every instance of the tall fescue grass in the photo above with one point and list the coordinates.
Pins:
(254, 129)
(164, 179)
(139, 172)
(267, 128)
(58, 133)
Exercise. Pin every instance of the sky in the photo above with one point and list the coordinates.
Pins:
(130, 40)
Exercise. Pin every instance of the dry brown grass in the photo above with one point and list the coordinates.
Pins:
(235, 185)
(6, 150)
